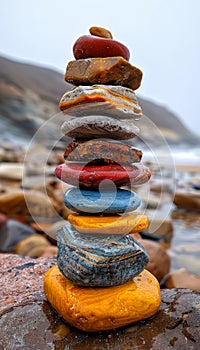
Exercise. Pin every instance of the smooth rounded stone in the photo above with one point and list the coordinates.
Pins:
(102, 152)
(159, 260)
(108, 100)
(187, 200)
(12, 171)
(182, 279)
(29, 203)
(11, 233)
(101, 32)
(99, 309)
(89, 46)
(33, 245)
(92, 176)
(98, 263)
(11, 153)
(109, 202)
(109, 224)
(90, 127)
(161, 228)
(108, 70)
(24, 306)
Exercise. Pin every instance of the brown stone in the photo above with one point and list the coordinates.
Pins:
(102, 152)
(52, 250)
(33, 246)
(159, 261)
(136, 236)
(16, 203)
(187, 200)
(182, 279)
(99, 31)
(109, 70)
(35, 325)
(162, 228)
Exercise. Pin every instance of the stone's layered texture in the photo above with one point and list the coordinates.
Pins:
(116, 224)
(88, 46)
(109, 202)
(102, 151)
(98, 263)
(109, 70)
(114, 101)
(92, 309)
(91, 127)
(91, 176)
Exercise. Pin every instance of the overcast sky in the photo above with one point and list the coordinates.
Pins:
(162, 36)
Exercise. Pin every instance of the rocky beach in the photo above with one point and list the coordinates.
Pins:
(32, 209)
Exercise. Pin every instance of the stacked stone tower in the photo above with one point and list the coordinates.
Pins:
(100, 282)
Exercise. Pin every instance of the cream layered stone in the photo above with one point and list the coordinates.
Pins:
(116, 101)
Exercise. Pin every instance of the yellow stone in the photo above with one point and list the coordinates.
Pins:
(115, 224)
(97, 309)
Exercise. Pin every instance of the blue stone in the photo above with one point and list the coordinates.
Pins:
(98, 262)
(95, 201)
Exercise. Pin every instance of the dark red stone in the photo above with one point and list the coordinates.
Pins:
(90, 46)
(92, 175)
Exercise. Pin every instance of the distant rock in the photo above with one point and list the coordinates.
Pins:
(11, 233)
(189, 200)
(159, 261)
(182, 279)
(29, 95)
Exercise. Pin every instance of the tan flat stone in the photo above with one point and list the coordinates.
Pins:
(109, 70)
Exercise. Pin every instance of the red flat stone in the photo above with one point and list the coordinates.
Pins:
(92, 175)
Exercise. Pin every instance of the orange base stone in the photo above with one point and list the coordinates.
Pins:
(98, 309)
